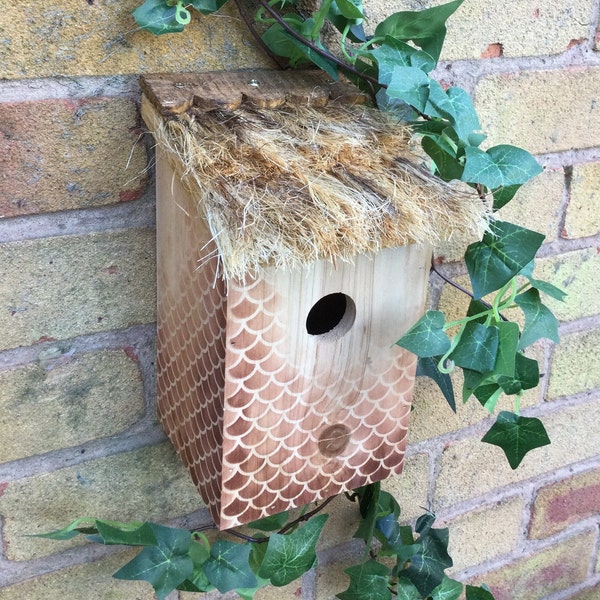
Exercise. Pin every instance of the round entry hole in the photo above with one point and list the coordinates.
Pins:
(332, 316)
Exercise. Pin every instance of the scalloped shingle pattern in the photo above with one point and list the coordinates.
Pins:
(265, 415)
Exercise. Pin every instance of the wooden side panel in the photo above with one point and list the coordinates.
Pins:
(191, 336)
(308, 415)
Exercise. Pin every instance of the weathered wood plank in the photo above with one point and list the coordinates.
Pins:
(175, 93)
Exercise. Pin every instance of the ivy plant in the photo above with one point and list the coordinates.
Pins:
(399, 561)
(393, 65)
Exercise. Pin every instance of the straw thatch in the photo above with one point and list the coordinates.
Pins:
(289, 186)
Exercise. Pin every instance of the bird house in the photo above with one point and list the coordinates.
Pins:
(293, 230)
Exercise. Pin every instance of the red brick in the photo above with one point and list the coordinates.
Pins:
(65, 154)
(541, 574)
(560, 504)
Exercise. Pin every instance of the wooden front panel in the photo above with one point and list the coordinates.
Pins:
(308, 415)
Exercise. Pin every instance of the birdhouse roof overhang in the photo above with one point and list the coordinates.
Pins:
(288, 168)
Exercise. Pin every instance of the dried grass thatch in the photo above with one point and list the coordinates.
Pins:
(289, 186)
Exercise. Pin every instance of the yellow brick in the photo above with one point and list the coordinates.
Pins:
(74, 38)
(410, 488)
(525, 28)
(91, 581)
(54, 155)
(57, 288)
(344, 518)
(576, 364)
(565, 502)
(332, 580)
(148, 485)
(485, 533)
(524, 109)
(537, 204)
(537, 577)
(68, 403)
(471, 468)
(577, 274)
(583, 218)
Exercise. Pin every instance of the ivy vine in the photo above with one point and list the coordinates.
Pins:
(398, 561)
(393, 66)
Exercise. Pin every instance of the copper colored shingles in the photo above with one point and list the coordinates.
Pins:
(306, 418)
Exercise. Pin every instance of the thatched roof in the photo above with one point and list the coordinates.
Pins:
(288, 186)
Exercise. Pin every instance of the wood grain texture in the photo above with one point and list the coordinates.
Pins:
(173, 94)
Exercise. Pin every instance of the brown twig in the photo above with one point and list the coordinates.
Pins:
(308, 515)
(320, 51)
(291, 525)
(460, 287)
(251, 25)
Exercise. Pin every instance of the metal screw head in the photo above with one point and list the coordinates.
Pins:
(254, 83)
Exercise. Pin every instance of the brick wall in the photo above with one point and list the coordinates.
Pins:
(77, 290)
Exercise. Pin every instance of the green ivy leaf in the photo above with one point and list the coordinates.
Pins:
(447, 166)
(272, 523)
(397, 540)
(526, 376)
(257, 555)
(199, 552)
(283, 44)
(426, 338)
(405, 590)
(425, 28)
(73, 529)
(393, 53)
(356, 33)
(449, 589)
(455, 105)
(289, 556)
(424, 523)
(508, 344)
(426, 568)
(206, 7)
(488, 395)
(478, 593)
(542, 286)
(157, 17)
(503, 195)
(540, 322)
(481, 168)
(499, 166)
(140, 536)
(516, 165)
(350, 9)
(516, 436)
(502, 253)
(228, 567)
(477, 349)
(374, 504)
(368, 581)
(409, 84)
(164, 566)
(428, 367)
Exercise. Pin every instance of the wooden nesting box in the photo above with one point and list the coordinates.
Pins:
(281, 386)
